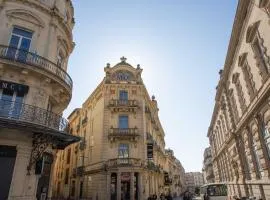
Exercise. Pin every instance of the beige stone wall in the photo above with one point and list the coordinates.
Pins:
(238, 130)
(51, 34)
(101, 117)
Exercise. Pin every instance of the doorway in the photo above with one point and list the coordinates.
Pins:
(7, 160)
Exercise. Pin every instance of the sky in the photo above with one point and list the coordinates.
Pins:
(180, 44)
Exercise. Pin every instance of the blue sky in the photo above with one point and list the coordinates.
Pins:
(180, 44)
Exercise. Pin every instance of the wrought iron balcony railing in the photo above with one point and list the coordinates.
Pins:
(25, 57)
(122, 105)
(24, 113)
(123, 133)
(124, 162)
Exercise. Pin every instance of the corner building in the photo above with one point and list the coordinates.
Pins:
(122, 155)
(35, 44)
(239, 132)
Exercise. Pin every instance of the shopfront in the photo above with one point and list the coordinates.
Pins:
(129, 186)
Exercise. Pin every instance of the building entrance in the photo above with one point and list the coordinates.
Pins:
(7, 160)
(125, 190)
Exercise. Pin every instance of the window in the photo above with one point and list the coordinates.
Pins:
(67, 176)
(257, 159)
(266, 137)
(19, 44)
(123, 151)
(11, 102)
(123, 95)
(259, 52)
(68, 156)
(123, 122)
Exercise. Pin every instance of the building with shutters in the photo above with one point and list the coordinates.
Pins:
(239, 130)
(35, 44)
(122, 154)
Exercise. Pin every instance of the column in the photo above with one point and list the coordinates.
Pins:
(118, 186)
(140, 186)
(109, 185)
(131, 185)
(23, 186)
(53, 176)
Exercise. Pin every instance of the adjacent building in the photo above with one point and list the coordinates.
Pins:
(35, 44)
(239, 130)
(193, 180)
(122, 154)
(208, 173)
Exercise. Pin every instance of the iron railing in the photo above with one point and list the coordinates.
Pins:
(124, 162)
(31, 114)
(124, 131)
(123, 102)
(29, 58)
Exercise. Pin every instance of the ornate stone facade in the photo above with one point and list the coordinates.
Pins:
(241, 150)
(123, 151)
(208, 173)
(35, 44)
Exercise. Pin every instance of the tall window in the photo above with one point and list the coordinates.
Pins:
(11, 102)
(67, 176)
(21, 40)
(123, 122)
(68, 156)
(123, 151)
(266, 137)
(123, 95)
(257, 159)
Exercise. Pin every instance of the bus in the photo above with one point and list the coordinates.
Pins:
(214, 191)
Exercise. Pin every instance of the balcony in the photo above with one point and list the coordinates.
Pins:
(36, 120)
(124, 162)
(118, 105)
(153, 167)
(130, 134)
(167, 179)
(37, 63)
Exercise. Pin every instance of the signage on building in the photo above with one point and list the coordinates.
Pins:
(15, 87)
(125, 176)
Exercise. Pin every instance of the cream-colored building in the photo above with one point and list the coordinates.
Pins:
(122, 155)
(208, 173)
(239, 130)
(193, 180)
(35, 44)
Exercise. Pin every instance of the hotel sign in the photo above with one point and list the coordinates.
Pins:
(14, 87)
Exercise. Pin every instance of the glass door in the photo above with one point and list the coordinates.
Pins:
(10, 103)
(19, 44)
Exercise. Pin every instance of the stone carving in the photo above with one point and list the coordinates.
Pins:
(25, 15)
